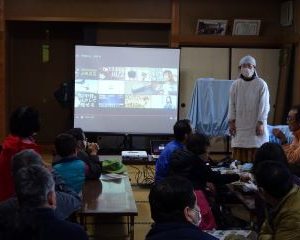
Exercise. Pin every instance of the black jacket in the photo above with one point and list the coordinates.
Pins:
(186, 164)
(176, 231)
(94, 164)
(40, 224)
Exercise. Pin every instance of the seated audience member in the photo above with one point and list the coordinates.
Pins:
(191, 164)
(182, 129)
(24, 123)
(273, 152)
(67, 201)
(37, 200)
(275, 186)
(87, 152)
(69, 166)
(175, 211)
(292, 150)
(268, 152)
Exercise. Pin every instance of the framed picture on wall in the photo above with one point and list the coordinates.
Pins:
(211, 26)
(246, 27)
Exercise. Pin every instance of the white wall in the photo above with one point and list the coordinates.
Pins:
(200, 63)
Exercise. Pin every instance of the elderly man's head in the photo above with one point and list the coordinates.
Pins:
(173, 200)
(293, 118)
(35, 187)
(26, 158)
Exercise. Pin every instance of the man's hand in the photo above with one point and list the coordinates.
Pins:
(232, 127)
(92, 148)
(210, 187)
(279, 134)
(259, 128)
(245, 177)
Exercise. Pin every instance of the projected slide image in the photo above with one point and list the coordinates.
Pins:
(111, 101)
(147, 88)
(169, 102)
(170, 86)
(143, 74)
(86, 73)
(132, 101)
(118, 87)
(85, 100)
(90, 86)
(163, 102)
(111, 87)
(112, 73)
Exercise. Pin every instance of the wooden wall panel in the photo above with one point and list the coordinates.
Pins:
(88, 9)
(133, 34)
(2, 73)
(268, 11)
(32, 82)
(296, 85)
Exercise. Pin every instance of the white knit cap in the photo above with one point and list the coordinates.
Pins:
(248, 60)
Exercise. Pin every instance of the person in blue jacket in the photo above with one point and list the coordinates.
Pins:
(72, 169)
(182, 129)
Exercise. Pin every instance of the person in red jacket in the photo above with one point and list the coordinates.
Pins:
(24, 124)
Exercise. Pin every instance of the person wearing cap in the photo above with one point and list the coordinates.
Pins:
(248, 111)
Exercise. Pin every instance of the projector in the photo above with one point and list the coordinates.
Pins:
(134, 155)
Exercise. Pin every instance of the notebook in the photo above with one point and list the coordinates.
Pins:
(157, 146)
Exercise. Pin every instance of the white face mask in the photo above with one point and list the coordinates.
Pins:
(247, 72)
(197, 218)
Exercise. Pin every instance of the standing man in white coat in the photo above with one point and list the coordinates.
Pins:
(248, 111)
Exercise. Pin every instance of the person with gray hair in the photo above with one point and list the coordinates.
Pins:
(67, 202)
(248, 111)
(35, 189)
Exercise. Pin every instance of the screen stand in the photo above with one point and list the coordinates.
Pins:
(127, 142)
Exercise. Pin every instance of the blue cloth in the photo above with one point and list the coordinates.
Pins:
(174, 231)
(163, 162)
(209, 106)
(72, 171)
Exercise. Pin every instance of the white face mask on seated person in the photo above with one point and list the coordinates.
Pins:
(197, 217)
(247, 72)
(193, 215)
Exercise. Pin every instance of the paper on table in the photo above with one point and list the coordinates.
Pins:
(222, 234)
(111, 176)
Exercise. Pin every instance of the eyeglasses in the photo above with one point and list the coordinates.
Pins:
(290, 119)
